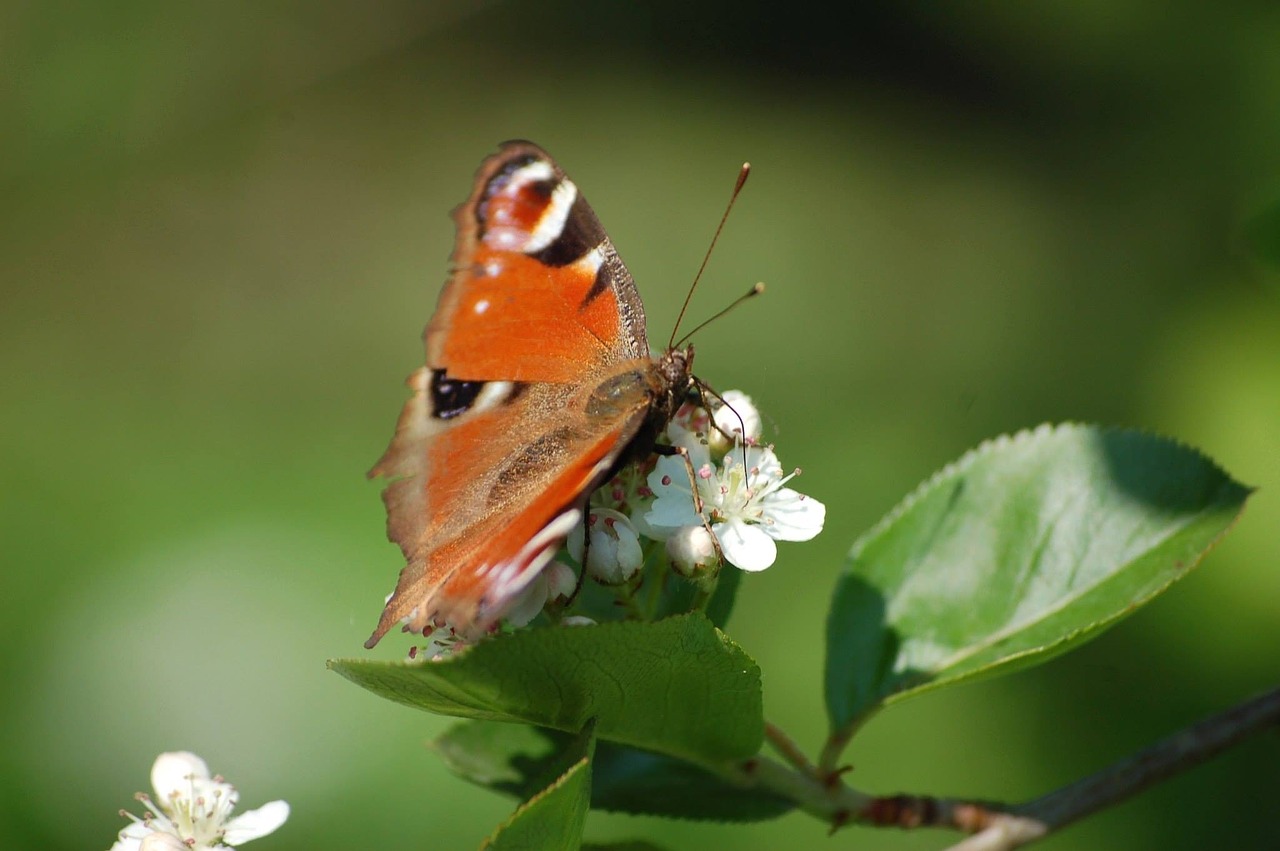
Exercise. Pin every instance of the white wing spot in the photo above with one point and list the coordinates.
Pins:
(493, 394)
(553, 218)
(533, 172)
(481, 306)
(511, 577)
(589, 264)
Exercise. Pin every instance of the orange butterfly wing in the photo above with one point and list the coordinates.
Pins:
(538, 376)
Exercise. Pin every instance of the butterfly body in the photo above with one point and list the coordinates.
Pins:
(538, 385)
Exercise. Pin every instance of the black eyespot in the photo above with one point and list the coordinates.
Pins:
(450, 397)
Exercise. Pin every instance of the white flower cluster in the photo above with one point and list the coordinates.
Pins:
(192, 811)
(719, 496)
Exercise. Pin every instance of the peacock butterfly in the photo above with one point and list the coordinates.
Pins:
(538, 384)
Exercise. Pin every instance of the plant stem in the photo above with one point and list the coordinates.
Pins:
(1170, 756)
(999, 826)
(788, 750)
(706, 590)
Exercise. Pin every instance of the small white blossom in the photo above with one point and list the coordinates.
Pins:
(749, 508)
(613, 554)
(192, 811)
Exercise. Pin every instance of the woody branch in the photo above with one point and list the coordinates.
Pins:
(999, 826)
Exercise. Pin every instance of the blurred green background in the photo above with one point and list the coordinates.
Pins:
(224, 225)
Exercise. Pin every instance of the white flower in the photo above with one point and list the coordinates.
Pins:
(749, 508)
(613, 554)
(192, 811)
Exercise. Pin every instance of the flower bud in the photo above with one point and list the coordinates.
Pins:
(561, 580)
(613, 552)
(529, 602)
(162, 842)
(692, 550)
(737, 420)
(174, 771)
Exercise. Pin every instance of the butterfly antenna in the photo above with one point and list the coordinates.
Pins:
(751, 293)
(737, 187)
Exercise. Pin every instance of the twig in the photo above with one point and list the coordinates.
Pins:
(1177, 753)
(789, 750)
(833, 804)
(1001, 827)
(1004, 833)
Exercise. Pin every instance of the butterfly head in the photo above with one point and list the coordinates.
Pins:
(674, 371)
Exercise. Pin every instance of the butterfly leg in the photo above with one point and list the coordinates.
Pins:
(662, 449)
(586, 551)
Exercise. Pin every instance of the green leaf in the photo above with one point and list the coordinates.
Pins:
(552, 820)
(676, 686)
(510, 758)
(1022, 549)
(644, 783)
(633, 845)
(517, 759)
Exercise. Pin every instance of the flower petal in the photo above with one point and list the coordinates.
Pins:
(252, 824)
(130, 839)
(695, 443)
(673, 506)
(745, 546)
(174, 771)
(737, 411)
(792, 516)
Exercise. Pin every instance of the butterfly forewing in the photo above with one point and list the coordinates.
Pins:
(538, 376)
(538, 291)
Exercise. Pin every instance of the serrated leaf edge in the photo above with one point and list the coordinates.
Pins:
(992, 444)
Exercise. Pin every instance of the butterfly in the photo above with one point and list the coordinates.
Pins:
(538, 385)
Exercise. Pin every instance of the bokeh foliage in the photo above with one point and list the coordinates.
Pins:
(224, 225)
